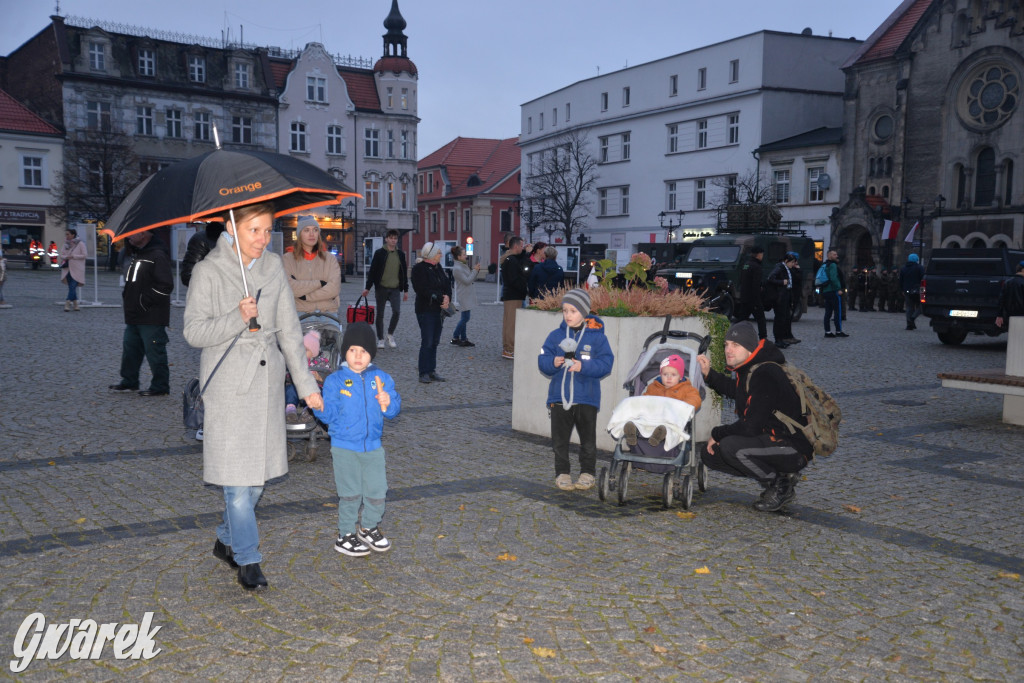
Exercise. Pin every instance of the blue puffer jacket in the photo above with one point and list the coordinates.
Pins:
(351, 411)
(594, 354)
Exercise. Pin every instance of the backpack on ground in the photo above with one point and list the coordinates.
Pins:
(820, 410)
(822, 275)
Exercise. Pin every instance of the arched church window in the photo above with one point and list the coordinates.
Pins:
(1008, 176)
(985, 178)
(989, 96)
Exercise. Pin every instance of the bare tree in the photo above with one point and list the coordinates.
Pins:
(746, 201)
(556, 188)
(100, 169)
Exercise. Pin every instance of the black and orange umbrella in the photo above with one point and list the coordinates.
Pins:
(205, 187)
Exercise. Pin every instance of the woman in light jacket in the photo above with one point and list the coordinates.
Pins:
(244, 428)
(72, 266)
(313, 271)
(465, 294)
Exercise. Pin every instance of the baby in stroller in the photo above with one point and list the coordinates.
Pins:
(319, 366)
(670, 383)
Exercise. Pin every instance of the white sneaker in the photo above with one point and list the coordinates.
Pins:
(199, 434)
(380, 343)
(391, 342)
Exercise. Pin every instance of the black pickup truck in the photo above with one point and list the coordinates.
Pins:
(961, 287)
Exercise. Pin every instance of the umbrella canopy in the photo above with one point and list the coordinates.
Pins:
(201, 188)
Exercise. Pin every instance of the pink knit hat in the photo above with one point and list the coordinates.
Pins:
(312, 342)
(676, 362)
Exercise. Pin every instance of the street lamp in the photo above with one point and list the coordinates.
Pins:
(347, 214)
(666, 222)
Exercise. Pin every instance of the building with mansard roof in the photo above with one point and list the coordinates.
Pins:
(934, 132)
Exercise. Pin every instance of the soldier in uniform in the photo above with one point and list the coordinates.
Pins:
(857, 290)
(872, 290)
(895, 293)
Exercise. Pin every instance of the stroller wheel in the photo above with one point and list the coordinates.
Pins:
(602, 484)
(686, 494)
(623, 487)
(668, 489)
(702, 477)
(292, 451)
(311, 448)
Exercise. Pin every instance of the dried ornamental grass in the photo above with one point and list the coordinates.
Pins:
(630, 302)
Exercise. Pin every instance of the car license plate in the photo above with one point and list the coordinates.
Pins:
(684, 276)
(963, 314)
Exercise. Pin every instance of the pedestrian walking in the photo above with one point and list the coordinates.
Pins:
(433, 293)
(389, 279)
(831, 293)
(72, 267)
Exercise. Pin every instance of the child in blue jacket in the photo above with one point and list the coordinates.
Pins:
(358, 396)
(575, 356)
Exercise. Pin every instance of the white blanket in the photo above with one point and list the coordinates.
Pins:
(647, 412)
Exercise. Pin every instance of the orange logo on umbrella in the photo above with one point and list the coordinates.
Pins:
(251, 187)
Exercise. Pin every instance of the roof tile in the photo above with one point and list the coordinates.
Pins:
(16, 117)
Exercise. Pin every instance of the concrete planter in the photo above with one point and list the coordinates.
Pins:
(626, 337)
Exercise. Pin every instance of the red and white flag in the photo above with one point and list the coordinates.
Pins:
(913, 230)
(890, 230)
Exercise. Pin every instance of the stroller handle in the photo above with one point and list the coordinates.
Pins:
(319, 314)
(704, 341)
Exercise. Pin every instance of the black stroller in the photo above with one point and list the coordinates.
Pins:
(303, 436)
(680, 463)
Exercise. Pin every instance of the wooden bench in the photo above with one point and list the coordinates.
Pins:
(1009, 383)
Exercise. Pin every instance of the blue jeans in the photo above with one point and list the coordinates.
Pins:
(834, 309)
(239, 530)
(361, 479)
(460, 329)
(72, 289)
(430, 337)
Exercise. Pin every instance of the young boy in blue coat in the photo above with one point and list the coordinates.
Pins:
(359, 395)
(575, 356)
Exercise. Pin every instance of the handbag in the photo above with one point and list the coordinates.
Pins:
(192, 396)
(365, 313)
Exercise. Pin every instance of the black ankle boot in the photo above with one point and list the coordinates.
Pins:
(778, 494)
(251, 578)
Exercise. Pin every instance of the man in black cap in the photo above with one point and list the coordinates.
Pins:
(757, 445)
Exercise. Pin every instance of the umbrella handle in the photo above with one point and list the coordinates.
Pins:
(253, 325)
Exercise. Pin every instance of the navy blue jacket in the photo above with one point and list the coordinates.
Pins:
(595, 356)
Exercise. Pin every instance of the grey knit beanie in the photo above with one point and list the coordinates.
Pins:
(745, 334)
(579, 299)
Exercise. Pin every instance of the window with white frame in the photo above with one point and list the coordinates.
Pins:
(625, 146)
(31, 170)
(391, 98)
(734, 70)
(781, 183)
(203, 124)
(613, 201)
(391, 144)
(298, 136)
(451, 221)
(602, 202)
(95, 177)
(405, 98)
(554, 117)
(814, 192)
(197, 68)
(371, 143)
(625, 96)
(529, 124)
(673, 138)
(731, 188)
(604, 101)
(372, 193)
(702, 78)
(143, 120)
(700, 195)
(147, 62)
(433, 222)
(335, 139)
(602, 143)
(624, 200)
(97, 56)
(404, 142)
(242, 76)
(541, 120)
(97, 115)
(734, 129)
(241, 130)
(173, 118)
(671, 196)
(392, 189)
(405, 194)
(316, 89)
(430, 182)
(702, 134)
(467, 221)
(568, 112)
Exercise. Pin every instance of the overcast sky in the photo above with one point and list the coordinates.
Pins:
(478, 60)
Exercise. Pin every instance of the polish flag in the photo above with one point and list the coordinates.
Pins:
(890, 230)
(913, 230)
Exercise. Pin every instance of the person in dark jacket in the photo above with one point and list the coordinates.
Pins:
(910, 284)
(514, 288)
(389, 279)
(757, 445)
(546, 275)
(832, 295)
(433, 293)
(199, 245)
(751, 304)
(147, 313)
(1011, 299)
(781, 280)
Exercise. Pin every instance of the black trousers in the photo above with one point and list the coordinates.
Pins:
(584, 419)
(145, 342)
(782, 327)
(744, 311)
(386, 295)
(753, 457)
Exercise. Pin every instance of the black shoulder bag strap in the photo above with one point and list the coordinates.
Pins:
(226, 352)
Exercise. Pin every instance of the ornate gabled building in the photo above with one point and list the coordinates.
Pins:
(934, 132)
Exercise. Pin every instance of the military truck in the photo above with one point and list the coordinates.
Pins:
(713, 264)
(961, 288)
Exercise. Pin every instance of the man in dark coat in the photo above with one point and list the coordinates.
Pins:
(514, 288)
(751, 304)
(147, 313)
(910, 284)
(546, 275)
(781, 280)
(1011, 300)
(757, 445)
(390, 278)
(199, 245)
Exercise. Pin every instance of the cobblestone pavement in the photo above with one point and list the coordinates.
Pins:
(900, 559)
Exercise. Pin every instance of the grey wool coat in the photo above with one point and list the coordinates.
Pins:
(243, 425)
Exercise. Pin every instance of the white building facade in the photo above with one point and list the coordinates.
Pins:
(670, 135)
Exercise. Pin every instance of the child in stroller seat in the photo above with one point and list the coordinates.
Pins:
(669, 384)
(319, 366)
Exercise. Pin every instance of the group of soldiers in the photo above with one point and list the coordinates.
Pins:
(883, 287)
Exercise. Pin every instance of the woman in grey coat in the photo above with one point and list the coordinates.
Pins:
(244, 426)
(465, 295)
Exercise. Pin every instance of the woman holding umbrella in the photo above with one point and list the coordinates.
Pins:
(244, 426)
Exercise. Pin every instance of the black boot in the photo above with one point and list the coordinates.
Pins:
(778, 494)
(223, 553)
(251, 578)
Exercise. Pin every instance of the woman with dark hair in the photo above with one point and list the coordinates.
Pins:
(72, 266)
(313, 272)
(433, 292)
(465, 295)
